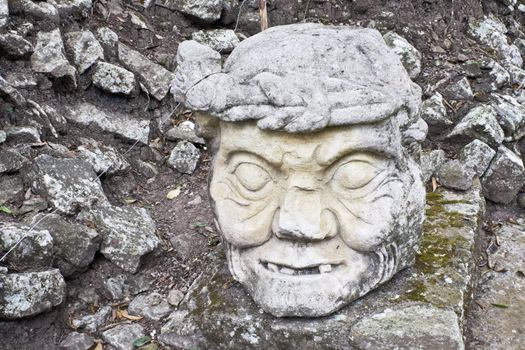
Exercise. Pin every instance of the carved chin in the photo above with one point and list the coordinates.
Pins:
(314, 291)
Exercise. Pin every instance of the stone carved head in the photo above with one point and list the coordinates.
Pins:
(314, 184)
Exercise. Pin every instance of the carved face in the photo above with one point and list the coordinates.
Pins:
(314, 221)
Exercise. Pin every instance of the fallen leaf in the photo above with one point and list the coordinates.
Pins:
(130, 200)
(141, 341)
(124, 314)
(434, 184)
(6, 210)
(173, 193)
(501, 306)
(99, 347)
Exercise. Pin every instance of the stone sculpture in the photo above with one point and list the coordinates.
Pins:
(315, 183)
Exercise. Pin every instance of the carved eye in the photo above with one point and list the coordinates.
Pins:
(252, 176)
(355, 174)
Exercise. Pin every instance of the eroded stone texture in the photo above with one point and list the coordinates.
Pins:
(480, 123)
(114, 79)
(422, 306)
(221, 40)
(27, 294)
(49, 52)
(408, 54)
(84, 48)
(122, 336)
(304, 235)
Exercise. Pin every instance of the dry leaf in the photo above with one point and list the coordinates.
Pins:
(434, 184)
(99, 347)
(173, 193)
(124, 314)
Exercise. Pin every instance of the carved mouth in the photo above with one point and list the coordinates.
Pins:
(295, 271)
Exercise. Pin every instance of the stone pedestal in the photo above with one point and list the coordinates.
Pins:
(422, 307)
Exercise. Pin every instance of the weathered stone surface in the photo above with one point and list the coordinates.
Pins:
(20, 80)
(75, 245)
(114, 79)
(511, 114)
(433, 112)
(10, 93)
(184, 157)
(40, 10)
(3, 136)
(205, 10)
(184, 131)
(288, 88)
(68, 184)
(490, 32)
(453, 174)
(27, 294)
(103, 159)
(408, 54)
(459, 90)
(22, 134)
(497, 320)
(92, 323)
(220, 40)
(72, 8)
(15, 46)
(175, 296)
(517, 75)
(4, 13)
(122, 336)
(128, 233)
(476, 156)
(194, 62)
(84, 49)
(34, 252)
(49, 52)
(77, 341)
(156, 78)
(152, 306)
(11, 187)
(480, 123)
(114, 122)
(504, 177)
(109, 41)
(11, 160)
(428, 299)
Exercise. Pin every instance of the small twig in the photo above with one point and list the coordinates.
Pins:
(238, 15)
(306, 10)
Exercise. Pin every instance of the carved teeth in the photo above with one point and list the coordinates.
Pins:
(287, 271)
(273, 267)
(325, 268)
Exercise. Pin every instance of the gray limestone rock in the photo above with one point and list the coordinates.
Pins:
(75, 244)
(103, 159)
(40, 10)
(184, 157)
(510, 112)
(395, 329)
(184, 131)
(408, 54)
(491, 33)
(220, 40)
(3, 136)
(20, 80)
(517, 75)
(152, 306)
(10, 93)
(194, 62)
(476, 156)
(34, 252)
(128, 233)
(207, 11)
(155, 78)
(92, 323)
(49, 52)
(64, 78)
(77, 341)
(4, 13)
(480, 123)
(459, 90)
(11, 160)
(118, 123)
(499, 323)
(521, 200)
(122, 336)
(504, 177)
(84, 49)
(433, 112)
(27, 294)
(453, 174)
(499, 75)
(11, 188)
(109, 41)
(22, 134)
(423, 306)
(114, 79)
(430, 163)
(15, 46)
(175, 296)
(72, 8)
(354, 87)
(116, 287)
(66, 183)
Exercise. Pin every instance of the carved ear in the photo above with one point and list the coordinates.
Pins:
(208, 127)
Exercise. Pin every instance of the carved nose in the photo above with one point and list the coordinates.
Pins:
(301, 217)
